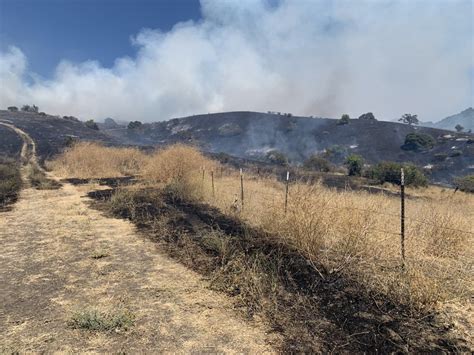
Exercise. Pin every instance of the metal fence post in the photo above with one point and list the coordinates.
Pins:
(402, 213)
(286, 190)
(242, 189)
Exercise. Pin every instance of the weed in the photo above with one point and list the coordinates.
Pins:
(94, 320)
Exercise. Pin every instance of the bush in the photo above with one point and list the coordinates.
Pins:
(354, 164)
(417, 141)
(276, 157)
(12, 109)
(318, 163)
(10, 182)
(440, 156)
(28, 108)
(389, 171)
(465, 183)
(455, 153)
(92, 125)
(345, 119)
(134, 125)
(367, 116)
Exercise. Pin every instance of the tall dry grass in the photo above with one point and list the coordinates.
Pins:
(92, 160)
(351, 233)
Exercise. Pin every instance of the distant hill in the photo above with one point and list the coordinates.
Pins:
(253, 135)
(464, 118)
(50, 133)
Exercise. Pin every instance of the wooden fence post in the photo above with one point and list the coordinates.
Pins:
(286, 190)
(402, 213)
(242, 189)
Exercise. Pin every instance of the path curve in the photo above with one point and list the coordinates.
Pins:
(48, 272)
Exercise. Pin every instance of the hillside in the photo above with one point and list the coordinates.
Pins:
(464, 118)
(252, 135)
(51, 133)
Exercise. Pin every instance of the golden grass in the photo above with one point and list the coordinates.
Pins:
(92, 160)
(352, 233)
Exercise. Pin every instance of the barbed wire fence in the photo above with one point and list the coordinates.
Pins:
(245, 193)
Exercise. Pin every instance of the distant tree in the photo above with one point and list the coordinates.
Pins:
(465, 183)
(28, 108)
(12, 109)
(34, 108)
(345, 119)
(459, 128)
(134, 125)
(409, 118)
(25, 108)
(389, 171)
(367, 116)
(354, 164)
(318, 163)
(92, 125)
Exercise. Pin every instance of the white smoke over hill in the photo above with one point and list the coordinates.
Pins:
(305, 57)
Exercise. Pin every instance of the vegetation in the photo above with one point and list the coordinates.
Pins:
(354, 164)
(268, 259)
(410, 119)
(94, 320)
(10, 182)
(134, 125)
(12, 109)
(276, 157)
(418, 141)
(317, 163)
(367, 116)
(391, 171)
(465, 183)
(345, 119)
(459, 128)
(92, 125)
(28, 108)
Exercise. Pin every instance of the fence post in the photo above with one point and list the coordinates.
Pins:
(402, 213)
(212, 180)
(242, 189)
(286, 190)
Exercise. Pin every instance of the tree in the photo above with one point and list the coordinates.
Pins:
(459, 128)
(134, 125)
(28, 108)
(409, 118)
(344, 119)
(277, 157)
(12, 109)
(354, 164)
(92, 125)
(389, 171)
(367, 116)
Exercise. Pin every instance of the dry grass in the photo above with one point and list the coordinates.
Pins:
(91, 160)
(351, 233)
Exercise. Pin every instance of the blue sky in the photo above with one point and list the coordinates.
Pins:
(152, 60)
(48, 31)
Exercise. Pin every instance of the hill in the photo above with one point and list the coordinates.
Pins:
(51, 133)
(464, 118)
(253, 135)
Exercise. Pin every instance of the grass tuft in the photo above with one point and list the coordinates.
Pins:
(94, 320)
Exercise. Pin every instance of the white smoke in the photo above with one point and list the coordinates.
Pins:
(307, 57)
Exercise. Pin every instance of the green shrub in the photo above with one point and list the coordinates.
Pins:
(94, 320)
(417, 141)
(389, 171)
(354, 164)
(92, 125)
(440, 156)
(345, 119)
(318, 163)
(465, 183)
(10, 182)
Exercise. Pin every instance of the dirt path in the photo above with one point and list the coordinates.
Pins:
(59, 257)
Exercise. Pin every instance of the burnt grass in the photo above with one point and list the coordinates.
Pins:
(314, 312)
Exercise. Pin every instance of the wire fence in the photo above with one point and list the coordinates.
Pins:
(248, 191)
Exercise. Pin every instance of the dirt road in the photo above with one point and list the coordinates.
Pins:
(59, 257)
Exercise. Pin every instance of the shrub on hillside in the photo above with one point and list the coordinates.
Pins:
(465, 183)
(92, 125)
(277, 157)
(318, 163)
(12, 109)
(418, 141)
(134, 125)
(354, 164)
(10, 182)
(345, 119)
(389, 171)
(367, 116)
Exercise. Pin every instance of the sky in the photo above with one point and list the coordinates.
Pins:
(152, 60)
